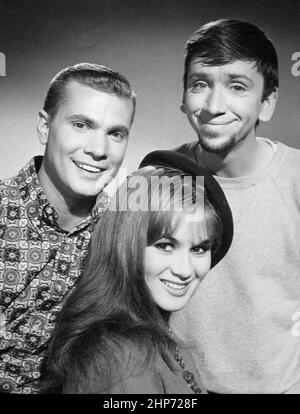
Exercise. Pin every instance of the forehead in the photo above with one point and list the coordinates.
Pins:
(237, 68)
(190, 227)
(82, 99)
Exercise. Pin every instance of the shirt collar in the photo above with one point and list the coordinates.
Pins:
(30, 188)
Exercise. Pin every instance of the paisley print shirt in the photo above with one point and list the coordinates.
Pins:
(39, 265)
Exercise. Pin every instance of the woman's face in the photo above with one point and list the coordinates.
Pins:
(175, 265)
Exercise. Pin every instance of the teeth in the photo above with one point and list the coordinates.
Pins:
(172, 285)
(87, 167)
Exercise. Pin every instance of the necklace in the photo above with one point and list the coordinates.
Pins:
(187, 375)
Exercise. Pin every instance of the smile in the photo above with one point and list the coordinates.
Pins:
(173, 285)
(177, 289)
(216, 124)
(87, 167)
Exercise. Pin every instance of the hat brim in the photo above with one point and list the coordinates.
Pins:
(215, 194)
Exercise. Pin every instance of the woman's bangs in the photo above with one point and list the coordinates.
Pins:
(166, 223)
(162, 223)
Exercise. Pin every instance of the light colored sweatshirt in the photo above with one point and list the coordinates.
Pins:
(245, 317)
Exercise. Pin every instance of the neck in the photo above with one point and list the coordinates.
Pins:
(71, 214)
(165, 315)
(246, 157)
(70, 210)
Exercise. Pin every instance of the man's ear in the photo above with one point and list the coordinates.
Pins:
(43, 127)
(268, 107)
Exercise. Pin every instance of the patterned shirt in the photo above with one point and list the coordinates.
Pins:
(39, 265)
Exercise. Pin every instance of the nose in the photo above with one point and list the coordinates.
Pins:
(182, 266)
(97, 146)
(215, 101)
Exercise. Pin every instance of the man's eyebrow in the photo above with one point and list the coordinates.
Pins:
(93, 123)
(119, 128)
(202, 73)
(239, 76)
(198, 72)
(81, 117)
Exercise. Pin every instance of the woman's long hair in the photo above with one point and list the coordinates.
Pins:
(111, 304)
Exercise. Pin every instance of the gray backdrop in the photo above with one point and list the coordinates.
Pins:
(144, 39)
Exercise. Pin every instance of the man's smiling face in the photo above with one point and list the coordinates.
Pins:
(85, 142)
(223, 103)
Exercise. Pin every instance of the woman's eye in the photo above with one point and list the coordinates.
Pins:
(198, 250)
(166, 247)
(201, 248)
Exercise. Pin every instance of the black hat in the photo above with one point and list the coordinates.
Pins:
(213, 190)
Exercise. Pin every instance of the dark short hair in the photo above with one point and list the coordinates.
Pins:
(226, 40)
(96, 76)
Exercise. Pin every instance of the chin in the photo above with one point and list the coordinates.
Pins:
(217, 145)
(86, 195)
(174, 307)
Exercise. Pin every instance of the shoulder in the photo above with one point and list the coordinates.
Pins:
(289, 160)
(283, 173)
(292, 153)
(9, 197)
(189, 148)
(26, 180)
(137, 379)
(135, 369)
(6, 183)
(118, 366)
(11, 184)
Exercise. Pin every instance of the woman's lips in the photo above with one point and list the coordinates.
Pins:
(176, 289)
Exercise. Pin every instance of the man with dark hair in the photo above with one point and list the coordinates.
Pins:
(245, 319)
(48, 210)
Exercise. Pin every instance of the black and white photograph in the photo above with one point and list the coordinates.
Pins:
(149, 199)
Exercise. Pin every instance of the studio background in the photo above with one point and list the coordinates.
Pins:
(144, 40)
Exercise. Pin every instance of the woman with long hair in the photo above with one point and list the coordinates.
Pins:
(149, 251)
